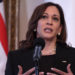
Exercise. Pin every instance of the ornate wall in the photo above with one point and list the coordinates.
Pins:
(12, 22)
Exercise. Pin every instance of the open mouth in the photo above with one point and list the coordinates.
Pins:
(48, 30)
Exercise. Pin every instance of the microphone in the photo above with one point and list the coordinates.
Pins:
(38, 44)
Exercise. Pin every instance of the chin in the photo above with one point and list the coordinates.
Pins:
(48, 37)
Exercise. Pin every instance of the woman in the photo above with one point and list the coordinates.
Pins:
(48, 23)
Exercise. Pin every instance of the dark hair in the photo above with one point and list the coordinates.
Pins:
(37, 14)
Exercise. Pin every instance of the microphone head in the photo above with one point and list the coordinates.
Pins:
(39, 42)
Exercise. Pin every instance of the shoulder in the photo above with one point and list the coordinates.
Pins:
(71, 50)
(20, 56)
(20, 52)
(64, 49)
(65, 46)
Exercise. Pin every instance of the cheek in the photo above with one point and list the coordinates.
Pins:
(57, 30)
(39, 28)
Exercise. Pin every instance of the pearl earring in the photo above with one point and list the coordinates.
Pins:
(34, 30)
(59, 33)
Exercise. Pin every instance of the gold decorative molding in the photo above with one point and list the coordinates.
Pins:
(12, 21)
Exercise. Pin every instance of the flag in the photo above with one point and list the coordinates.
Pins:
(3, 40)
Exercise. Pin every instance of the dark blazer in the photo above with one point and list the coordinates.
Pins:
(24, 57)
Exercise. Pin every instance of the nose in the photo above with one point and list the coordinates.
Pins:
(49, 22)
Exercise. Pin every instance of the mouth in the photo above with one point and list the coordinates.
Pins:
(48, 30)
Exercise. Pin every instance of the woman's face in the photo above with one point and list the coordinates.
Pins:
(49, 24)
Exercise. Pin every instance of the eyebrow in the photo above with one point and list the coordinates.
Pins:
(56, 15)
(45, 13)
(53, 15)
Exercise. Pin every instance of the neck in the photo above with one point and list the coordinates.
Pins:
(50, 47)
(50, 44)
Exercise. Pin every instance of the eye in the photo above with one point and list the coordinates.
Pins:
(44, 17)
(55, 18)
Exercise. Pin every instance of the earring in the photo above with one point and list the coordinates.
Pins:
(34, 30)
(59, 33)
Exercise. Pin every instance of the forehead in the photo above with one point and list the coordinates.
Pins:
(52, 10)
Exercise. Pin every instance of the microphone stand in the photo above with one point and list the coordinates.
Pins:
(36, 58)
(37, 67)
